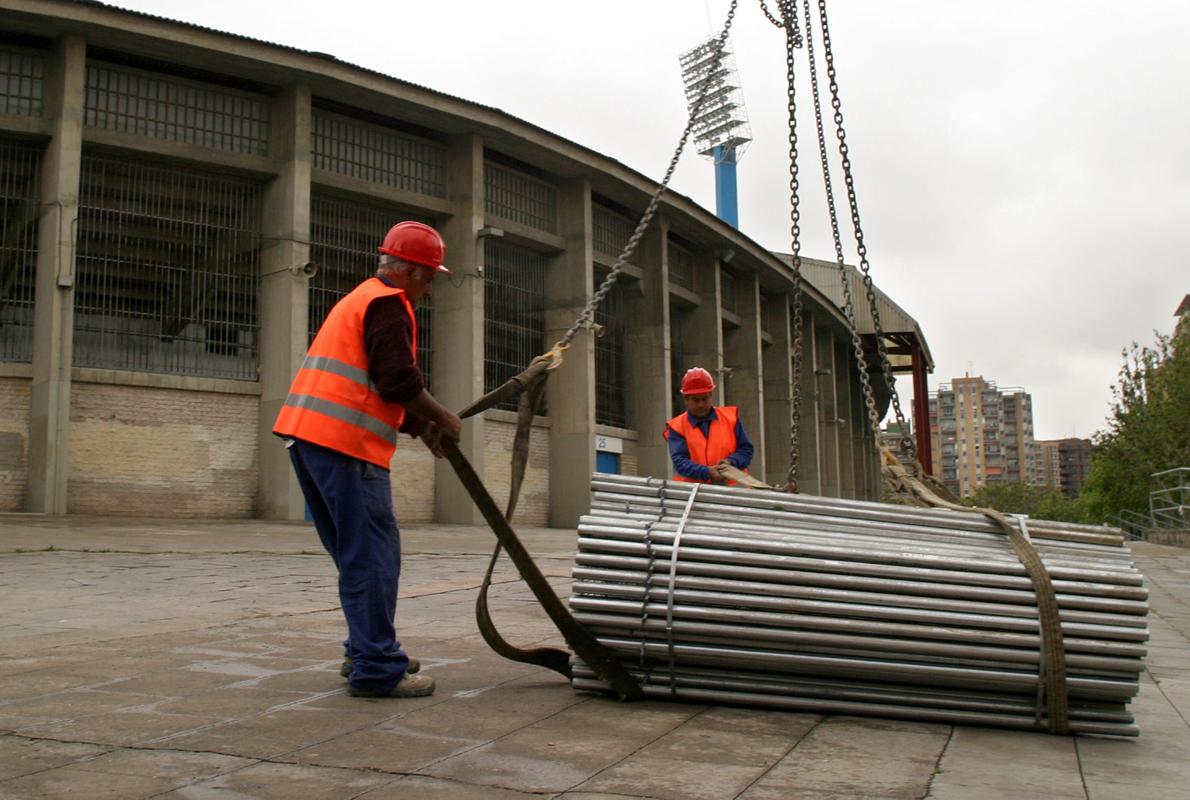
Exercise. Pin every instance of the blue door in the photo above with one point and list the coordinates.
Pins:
(607, 462)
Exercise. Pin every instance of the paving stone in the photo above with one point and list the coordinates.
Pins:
(73, 782)
(283, 782)
(122, 728)
(856, 757)
(22, 756)
(230, 654)
(178, 766)
(417, 787)
(566, 749)
(1007, 764)
(717, 753)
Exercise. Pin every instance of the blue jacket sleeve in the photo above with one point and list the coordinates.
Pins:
(679, 454)
(744, 450)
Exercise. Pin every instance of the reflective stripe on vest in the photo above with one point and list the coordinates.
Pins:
(708, 450)
(332, 401)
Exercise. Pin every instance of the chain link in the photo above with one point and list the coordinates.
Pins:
(588, 314)
(797, 36)
(788, 9)
(848, 302)
(908, 446)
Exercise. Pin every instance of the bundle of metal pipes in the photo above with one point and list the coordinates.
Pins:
(841, 606)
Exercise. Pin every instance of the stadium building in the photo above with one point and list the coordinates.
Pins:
(179, 208)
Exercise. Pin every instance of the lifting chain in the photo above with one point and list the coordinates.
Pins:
(793, 40)
(587, 316)
(848, 303)
(906, 442)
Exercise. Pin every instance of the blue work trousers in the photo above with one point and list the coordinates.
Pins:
(352, 506)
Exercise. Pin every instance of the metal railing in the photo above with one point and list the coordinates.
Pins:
(514, 311)
(163, 107)
(378, 155)
(168, 265)
(610, 231)
(519, 197)
(1169, 499)
(344, 235)
(681, 266)
(19, 171)
(610, 367)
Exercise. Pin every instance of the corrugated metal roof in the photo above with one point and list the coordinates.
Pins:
(826, 277)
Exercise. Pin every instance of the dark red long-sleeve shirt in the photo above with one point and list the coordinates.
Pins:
(392, 367)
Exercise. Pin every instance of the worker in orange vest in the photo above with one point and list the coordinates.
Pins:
(358, 387)
(707, 437)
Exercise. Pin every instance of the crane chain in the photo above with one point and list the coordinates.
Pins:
(588, 313)
(793, 40)
(848, 301)
(908, 446)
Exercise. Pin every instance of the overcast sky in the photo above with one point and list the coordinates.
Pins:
(1022, 167)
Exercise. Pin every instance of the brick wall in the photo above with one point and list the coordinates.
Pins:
(14, 443)
(628, 465)
(533, 507)
(413, 482)
(140, 451)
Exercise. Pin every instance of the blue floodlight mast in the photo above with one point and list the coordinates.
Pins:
(721, 125)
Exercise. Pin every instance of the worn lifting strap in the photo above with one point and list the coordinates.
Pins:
(530, 386)
(1052, 688)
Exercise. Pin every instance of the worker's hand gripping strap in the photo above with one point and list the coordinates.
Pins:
(1052, 658)
(584, 644)
(673, 578)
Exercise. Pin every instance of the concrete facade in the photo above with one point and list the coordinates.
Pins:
(153, 431)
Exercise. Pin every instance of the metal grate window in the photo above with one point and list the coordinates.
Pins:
(21, 82)
(19, 171)
(378, 155)
(167, 270)
(610, 368)
(519, 197)
(162, 107)
(681, 266)
(611, 231)
(514, 311)
(677, 358)
(343, 240)
(727, 291)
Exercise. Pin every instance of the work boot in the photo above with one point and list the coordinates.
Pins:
(409, 686)
(345, 669)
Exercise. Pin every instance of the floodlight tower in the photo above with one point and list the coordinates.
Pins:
(721, 124)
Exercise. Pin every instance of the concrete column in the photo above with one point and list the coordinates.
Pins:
(648, 353)
(702, 328)
(458, 324)
(845, 376)
(571, 391)
(744, 384)
(284, 294)
(830, 478)
(53, 316)
(778, 391)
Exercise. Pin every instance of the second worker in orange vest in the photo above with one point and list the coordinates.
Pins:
(707, 436)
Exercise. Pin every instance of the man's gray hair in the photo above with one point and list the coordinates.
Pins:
(389, 263)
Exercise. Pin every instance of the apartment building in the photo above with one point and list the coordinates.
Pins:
(981, 434)
(1064, 464)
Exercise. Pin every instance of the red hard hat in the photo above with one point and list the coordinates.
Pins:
(697, 381)
(413, 241)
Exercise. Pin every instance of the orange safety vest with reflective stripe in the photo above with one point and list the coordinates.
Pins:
(332, 401)
(711, 449)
